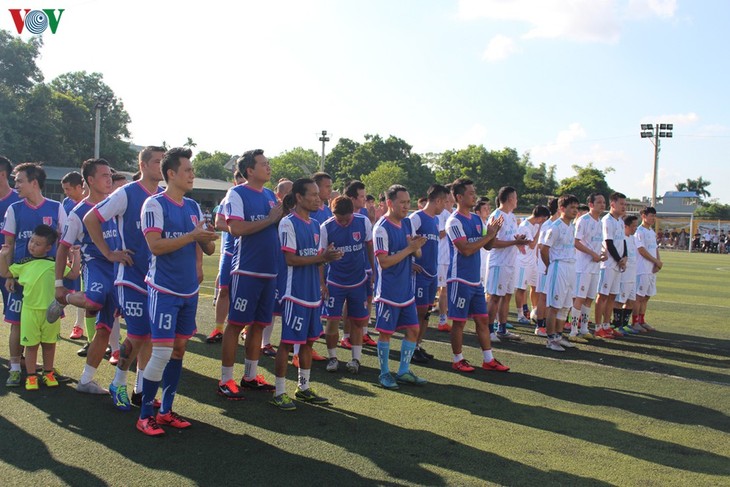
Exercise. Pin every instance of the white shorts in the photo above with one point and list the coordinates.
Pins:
(646, 285)
(627, 292)
(609, 281)
(443, 272)
(586, 285)
(525, 276)
(559, 284)
(500, 280)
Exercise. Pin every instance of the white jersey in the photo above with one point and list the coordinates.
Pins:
(561, 240)
(529, 258)
(646, 239)
(613, 229)
(541, 241)
(505, 256)
(629, 275)
(589, 232)
(444, 254)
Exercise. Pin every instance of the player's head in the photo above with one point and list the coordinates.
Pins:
(356, 191)
(465, 195)
(450, 201)
(254, 166)
(631, 223)
(482, 208)
(507, 198)
(98, 175)
(422, 202)
(29, 179)
(304, 195)
(618, 203)
(398, 201)
(437, 196)
(568, 205)
(540, 213)
(42, 240)
(552, 205)
(73, 185)
(324, 183)
(177, 168)
(118, 180)
(342, 209)
(6, 168)
(597, 203)
(583, 209)
(648, 215)
(283, 188)
(149, 162)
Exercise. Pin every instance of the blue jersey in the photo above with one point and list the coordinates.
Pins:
(5, 202)
(427, 226)
(301, 237)
(175, 272)
(462, 268)
(75, 232)
(125, 206)
(351, 239)
(69, 204)
(257, 253)
(21, 219)
(228, 241)
(321, 215)
(393, 285)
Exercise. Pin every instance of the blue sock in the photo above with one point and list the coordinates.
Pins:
(491, 327)
(149, 391)
(170, 380)
(383, 353)
(502, 328)
(406, 352)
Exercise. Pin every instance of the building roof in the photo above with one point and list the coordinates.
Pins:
(681, 194)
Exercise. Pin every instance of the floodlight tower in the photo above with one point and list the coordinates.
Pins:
(655, 133)
(323, 139)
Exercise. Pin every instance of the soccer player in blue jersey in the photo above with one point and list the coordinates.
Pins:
(466, 293)
(8, 196)
(99, 297)
(345, 281)
(21, 218)
(324, 183)
(177, 236)
(395, 246)
(425, 222)
(73, 187)
(252, 213)
(124, 207)
(301, 299)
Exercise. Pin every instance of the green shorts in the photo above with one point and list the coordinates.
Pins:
(34, 328)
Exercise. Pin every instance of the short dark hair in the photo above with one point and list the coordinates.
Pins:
(393, 191)
(73, 178)
(6, 166)
(299, 187)
(319, 176)
(342, 205)
(146, 154)
(171, 159)
(352, 189)
(88, 167)
(136, 176)
(369, 197)
(459, 186)
(541, 211)
(583, 207)
(592, 198)
(480, 204)
(117, 176)
(248, 161)
(422, 200)
(649, 210)
(33, 171)
(552, 205)
(46, 232)
(237, 174)
(616, 196)
(567, 199)
(436, 191)
(629, 219)
(504, 193)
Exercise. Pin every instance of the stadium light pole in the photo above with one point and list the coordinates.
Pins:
(101, 102)
(323, 139)
(655, 133)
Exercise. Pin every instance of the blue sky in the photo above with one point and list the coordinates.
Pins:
(569, 81)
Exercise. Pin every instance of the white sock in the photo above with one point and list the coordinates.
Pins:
(357, 352)
(304, 379)
(15, 366)
(458, 357)
(332, 352)
(251, 367)
(488, 357)
(226, 374)
(120, 378)
(138, 380)
(158, 361)
(88, 374)
(80, 315)
(280, 384)
(266, 335)
(115, 335)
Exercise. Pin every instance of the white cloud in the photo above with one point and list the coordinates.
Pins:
(647, 8)
(500, 47)
(675, 118)
(561, 145)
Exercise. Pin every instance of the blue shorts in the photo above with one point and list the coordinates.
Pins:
(300, 324)
(173, 316)
(224, 270)
(4, 292)
(356, 299)
(135, 311)
(389, 318)
(278, 308)
(99, 282)
(14, 305)
(466, 301)
(252, 300)
(72, 284)
(426, 287)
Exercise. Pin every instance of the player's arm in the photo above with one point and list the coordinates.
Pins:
(199, 263)
(220, 222)
(545, 255)
(238, 226)
(93, 221)
(4, 264)
(579, 245)
(387, 261)
(612, 251)
(75, 272)
(161, 246)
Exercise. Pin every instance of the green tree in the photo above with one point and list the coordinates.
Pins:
(294, 164)
(210, 166)
(18, 69)
(587, 180)
(539, 182)
(384, 176)
(713, 210)
(698, 185)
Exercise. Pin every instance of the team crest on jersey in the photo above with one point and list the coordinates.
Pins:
(194, 218)
(271, 204)
(582, 288)
(556, 297)
(356, 236)
(316, 239)
(47, 220)
(479, 228)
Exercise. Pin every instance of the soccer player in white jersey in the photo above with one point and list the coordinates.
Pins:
(466, 293)
(588, 243)
(443, 262)
(609, 282)
(627, 293)
(542, 270)
(648, 265)
(502, 260)
(558, 255)
(526, 270)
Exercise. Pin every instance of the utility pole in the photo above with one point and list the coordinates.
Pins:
(654, 133)
(323, 139)
(101, 102)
